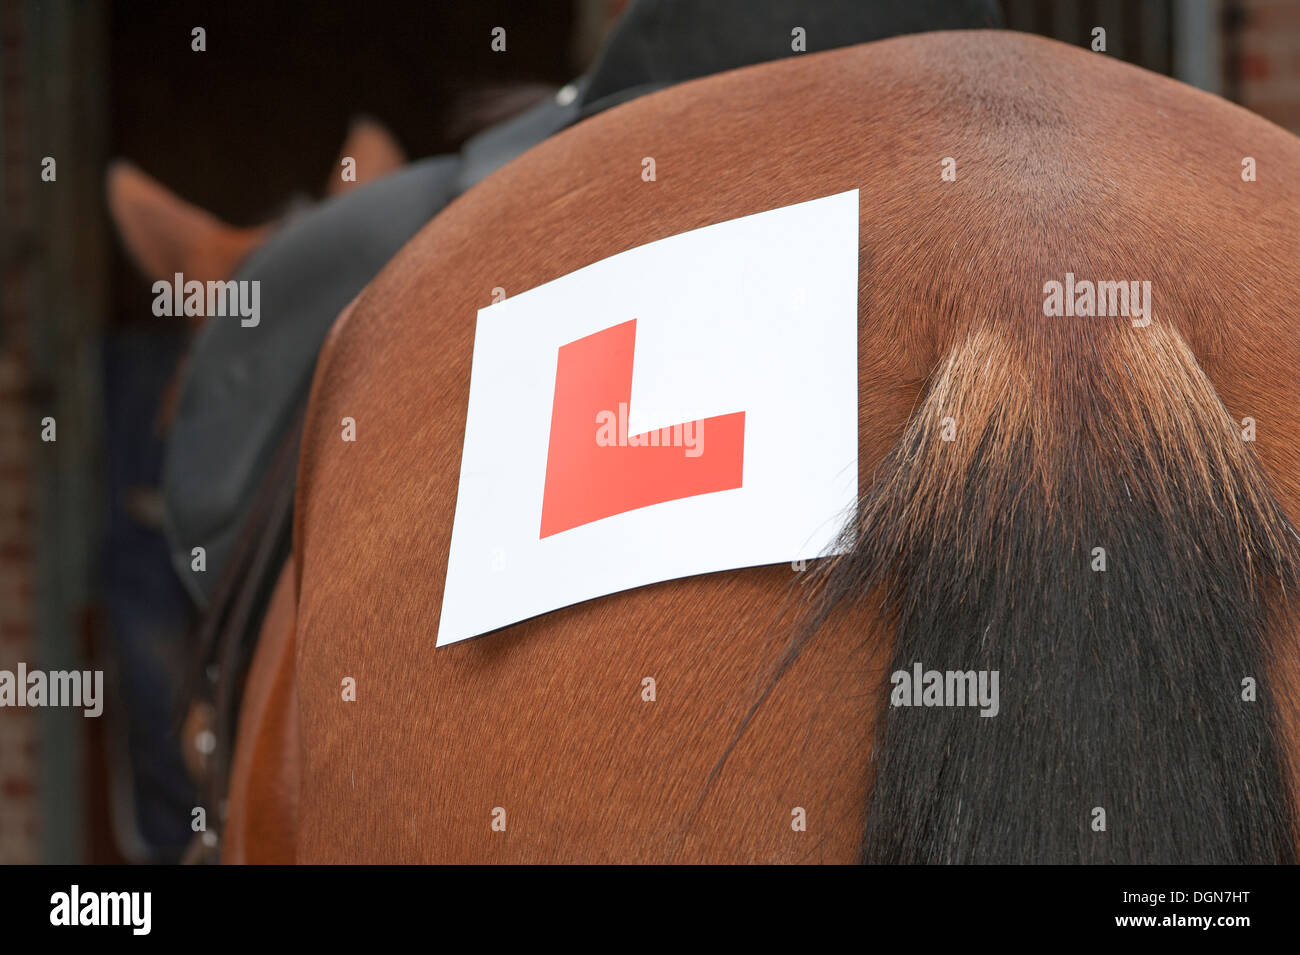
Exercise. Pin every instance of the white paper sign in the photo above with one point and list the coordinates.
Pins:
(685, 407)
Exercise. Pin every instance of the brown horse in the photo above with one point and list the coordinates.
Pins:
(1000, 447)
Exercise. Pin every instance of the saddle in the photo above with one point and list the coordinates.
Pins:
(244, 385)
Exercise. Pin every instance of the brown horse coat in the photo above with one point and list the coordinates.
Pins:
(1065, 160)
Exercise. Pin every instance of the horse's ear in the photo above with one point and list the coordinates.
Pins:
(164, 234)
(375, 151)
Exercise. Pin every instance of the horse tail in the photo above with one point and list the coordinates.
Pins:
(1075, 521)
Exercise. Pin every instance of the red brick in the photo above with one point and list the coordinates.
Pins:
(17, 787)
(1255, 66)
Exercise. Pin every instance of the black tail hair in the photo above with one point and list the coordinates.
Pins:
(1121, 689)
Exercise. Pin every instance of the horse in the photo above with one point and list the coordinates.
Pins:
(1099, 509)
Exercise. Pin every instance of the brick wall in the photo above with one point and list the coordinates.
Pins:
(52, 249)
(1268, 80)
(19, 728)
